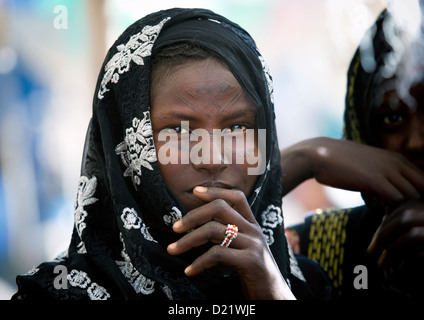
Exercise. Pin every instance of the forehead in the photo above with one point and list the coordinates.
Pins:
(204, 71)
(199, 83)
(394, 93)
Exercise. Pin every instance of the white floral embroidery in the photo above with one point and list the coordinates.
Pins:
(140, 283)
(132, 220)
(96, 292)
(294, 266)
(81, 248)
(173, 216)
(138, 47)
(137, 150)
(145, 232)
(61, 256)
(167, 292)
(31, 272)
(257, 190)
(268, 78)
(269, 235)
(86, 190)
(80, 279)
(271, 218)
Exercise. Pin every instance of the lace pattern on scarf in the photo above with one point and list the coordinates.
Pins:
(85, 196)
(138, 47)
(137, 150)
(140, 283)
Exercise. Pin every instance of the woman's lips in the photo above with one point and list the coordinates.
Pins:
(191, 201)
(216, 184)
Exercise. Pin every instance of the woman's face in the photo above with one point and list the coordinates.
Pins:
(400, 127)
(188, 104)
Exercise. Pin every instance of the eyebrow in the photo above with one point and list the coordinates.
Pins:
(179, 115)
(239, 114)
(191, 117)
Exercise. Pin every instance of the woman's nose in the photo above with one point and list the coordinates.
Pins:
(415, 139)
(208, 155)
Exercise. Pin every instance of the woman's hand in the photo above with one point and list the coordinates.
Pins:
(248, 254)
(352, 166)
(398, 247)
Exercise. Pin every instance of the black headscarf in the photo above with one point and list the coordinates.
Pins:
(363, 77)
(123, 210)
(364, 86)
(382, 61)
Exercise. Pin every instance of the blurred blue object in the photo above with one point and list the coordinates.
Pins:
(3, 226)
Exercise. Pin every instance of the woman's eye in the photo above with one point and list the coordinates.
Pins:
(178, 130)
(392, 114)
(393, 119)
(237, 128)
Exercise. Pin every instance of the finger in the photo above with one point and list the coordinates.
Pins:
(394, 225)
(409, 244)
(404, 186)
(218, 210)
(372, 246)
(389, 229)
(211, 232)
(388, 192)
(415, 175)
(215, 256)
(235, 198)
(385, 235)
(407, 178)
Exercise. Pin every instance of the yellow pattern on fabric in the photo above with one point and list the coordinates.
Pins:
(327, 237)
(353, 118)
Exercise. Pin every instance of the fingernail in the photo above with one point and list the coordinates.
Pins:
(201, 189)
(371, 247)
(177, 225)
(187, 270)
(382, 258)
(172, 246)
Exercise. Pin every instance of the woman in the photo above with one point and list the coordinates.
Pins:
(373, 250)
(152, 222)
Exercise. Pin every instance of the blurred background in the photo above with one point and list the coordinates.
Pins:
(50, 56)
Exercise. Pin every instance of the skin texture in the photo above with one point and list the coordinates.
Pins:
(393, 170)
(375, 171)
(398, 243)
(400, 126)
(206, 94)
